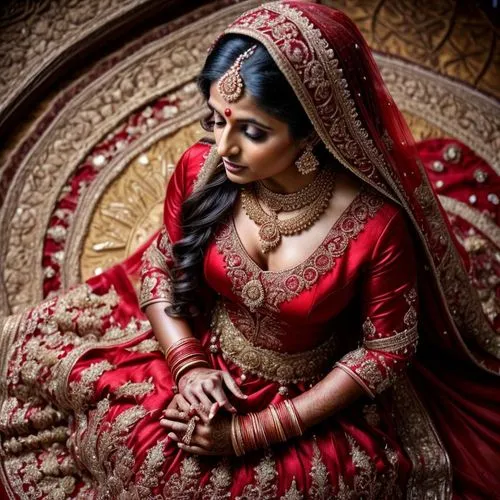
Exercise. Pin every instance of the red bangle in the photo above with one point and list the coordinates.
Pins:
(183, 355)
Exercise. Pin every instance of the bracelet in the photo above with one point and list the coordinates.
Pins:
(236, 440)
(184, 355)
(275, 424)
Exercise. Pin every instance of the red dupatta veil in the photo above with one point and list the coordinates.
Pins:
(332, 71)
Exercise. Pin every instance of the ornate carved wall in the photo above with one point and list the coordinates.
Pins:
(98, 101)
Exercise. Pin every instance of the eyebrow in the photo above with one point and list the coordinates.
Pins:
(244, 120)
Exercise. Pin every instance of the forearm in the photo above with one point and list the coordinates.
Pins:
(288, 419)
(333, 393)
(166, 329)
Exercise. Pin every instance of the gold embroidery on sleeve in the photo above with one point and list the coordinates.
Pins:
(156, 283)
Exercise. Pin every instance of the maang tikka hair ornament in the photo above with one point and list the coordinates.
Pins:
(231, 86)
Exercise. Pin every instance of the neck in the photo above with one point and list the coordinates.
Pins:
(289, 181)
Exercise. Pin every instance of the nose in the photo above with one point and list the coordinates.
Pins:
(226, 145)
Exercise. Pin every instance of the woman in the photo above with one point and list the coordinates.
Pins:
(283, 292)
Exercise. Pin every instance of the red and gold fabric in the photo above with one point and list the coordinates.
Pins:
(84, 382)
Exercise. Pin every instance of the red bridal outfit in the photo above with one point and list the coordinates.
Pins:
(84, 381)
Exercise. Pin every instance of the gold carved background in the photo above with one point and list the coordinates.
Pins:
(131, 209)
(440, 60)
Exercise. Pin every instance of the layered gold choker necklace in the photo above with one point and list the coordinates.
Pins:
(313, 199)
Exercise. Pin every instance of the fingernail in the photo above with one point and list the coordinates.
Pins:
(171, 435)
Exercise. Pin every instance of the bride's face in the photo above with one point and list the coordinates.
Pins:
(253, 144)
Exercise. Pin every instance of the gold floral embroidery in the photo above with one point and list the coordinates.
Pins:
(165, 246)
(370, 412)
(155, 288)
(44, 342)
(98, 441)
(134, 327)
(211, 162)
(156, 285)
(481, 243)
(278, 287)
(463, 301)
(85, 438)
(49, 335)
(437, 235)
(184, 485)
(154, 258)
(271, 365)
(431, 472)
(264, 330)
(47, 474)
(265, 481)
(220, 482)
(147, 345)
(368, 364)
(16, 445)
(42, 418)
(150, 471)
(366, 483)
(465, 305)
(81, 391)
(396, 343)
(293, 493)
(321, 489)
(135, 389)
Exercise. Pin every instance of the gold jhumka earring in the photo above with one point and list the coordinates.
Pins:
(230, 86)
(307, 162)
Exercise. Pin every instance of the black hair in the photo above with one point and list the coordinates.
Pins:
(205, 208)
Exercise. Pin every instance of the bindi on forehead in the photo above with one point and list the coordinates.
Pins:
(240, 112)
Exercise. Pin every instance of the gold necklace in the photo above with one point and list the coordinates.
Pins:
(279, 202)
(271, 228)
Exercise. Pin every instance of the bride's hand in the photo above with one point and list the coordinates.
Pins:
(205, 437)
(206, 387)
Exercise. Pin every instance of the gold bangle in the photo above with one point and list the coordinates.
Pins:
(294, 416)
(177, 344)
(239, 436)
(192, 364)
(277, 423)
(234, 441)
(260, 432)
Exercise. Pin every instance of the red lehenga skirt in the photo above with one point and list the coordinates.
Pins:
(88, 383)
(85, 382)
